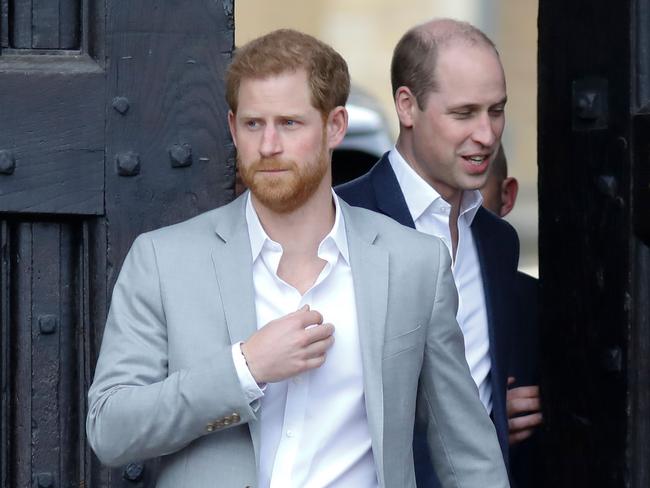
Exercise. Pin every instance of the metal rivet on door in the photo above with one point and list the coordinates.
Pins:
(47, 324)
(7, 162)
(133, 472)
(121, 105)
(180, 155)
(45, 480)
(128, 163)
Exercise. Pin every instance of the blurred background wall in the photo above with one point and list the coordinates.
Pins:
(365, 32)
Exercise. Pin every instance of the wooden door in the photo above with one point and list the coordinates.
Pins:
(112, 122)
(594, 182)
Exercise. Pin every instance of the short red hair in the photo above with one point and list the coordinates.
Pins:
(288, 50)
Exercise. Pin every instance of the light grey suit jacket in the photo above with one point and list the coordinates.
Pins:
(165, 384)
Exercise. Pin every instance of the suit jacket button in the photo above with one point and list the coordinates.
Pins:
(210, 427)
(227, 421)
(219, 424)
(235, 418)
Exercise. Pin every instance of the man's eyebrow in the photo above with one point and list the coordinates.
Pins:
(463, 106)
(288, 116)
(252, 115)
(474, 106)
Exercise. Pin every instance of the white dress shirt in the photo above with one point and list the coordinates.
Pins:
(430, 213)
(314, 427)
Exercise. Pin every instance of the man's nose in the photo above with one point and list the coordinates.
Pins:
(485, 132)
(271, 143)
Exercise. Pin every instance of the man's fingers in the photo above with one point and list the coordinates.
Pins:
(309, 317)
(511, 380)
(525, 422)
(316, 362)
(521, 428)
(517, 437)
(523, 399)
(319, 332)
(318, 348)
(516, 406)
(524, 392)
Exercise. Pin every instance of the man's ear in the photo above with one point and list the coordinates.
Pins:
(405, 105)
(509, 190)
(336, 125)
(232, 126)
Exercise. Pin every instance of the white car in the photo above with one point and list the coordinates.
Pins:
(367, 139)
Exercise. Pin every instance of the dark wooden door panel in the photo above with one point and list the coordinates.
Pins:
(594, 241)
(52, 106)
(43, 396)
(52, 127)
(102, 137)
(43, 24)
(20, 20)
(167, 71)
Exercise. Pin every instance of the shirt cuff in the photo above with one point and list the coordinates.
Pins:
(248, 384)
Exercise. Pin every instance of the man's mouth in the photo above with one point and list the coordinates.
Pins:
(272, 165)
(477, 160)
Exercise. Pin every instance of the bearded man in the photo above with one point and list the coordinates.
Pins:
(287, 339)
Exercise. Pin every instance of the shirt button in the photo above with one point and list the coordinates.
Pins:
(290, 433)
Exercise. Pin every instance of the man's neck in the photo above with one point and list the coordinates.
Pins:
(300, 232)
(309, 223)
(453, 196)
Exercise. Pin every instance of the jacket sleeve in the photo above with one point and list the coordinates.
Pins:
(137, 409)
(461, 437)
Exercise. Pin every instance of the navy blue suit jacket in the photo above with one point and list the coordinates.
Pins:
(497, 247)
(526, 461)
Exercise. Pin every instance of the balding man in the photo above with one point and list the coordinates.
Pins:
(450, 94)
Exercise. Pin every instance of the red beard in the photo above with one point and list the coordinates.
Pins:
(283, 185)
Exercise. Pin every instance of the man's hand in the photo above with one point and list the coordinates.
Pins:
(287, 346)
(524, 411)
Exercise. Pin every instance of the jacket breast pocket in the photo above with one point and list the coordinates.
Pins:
(401, 343)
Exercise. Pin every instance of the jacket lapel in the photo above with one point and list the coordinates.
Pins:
(390, 199)
(233, 267)
(369, 265)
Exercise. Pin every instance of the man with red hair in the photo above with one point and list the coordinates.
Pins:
(287, 339)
